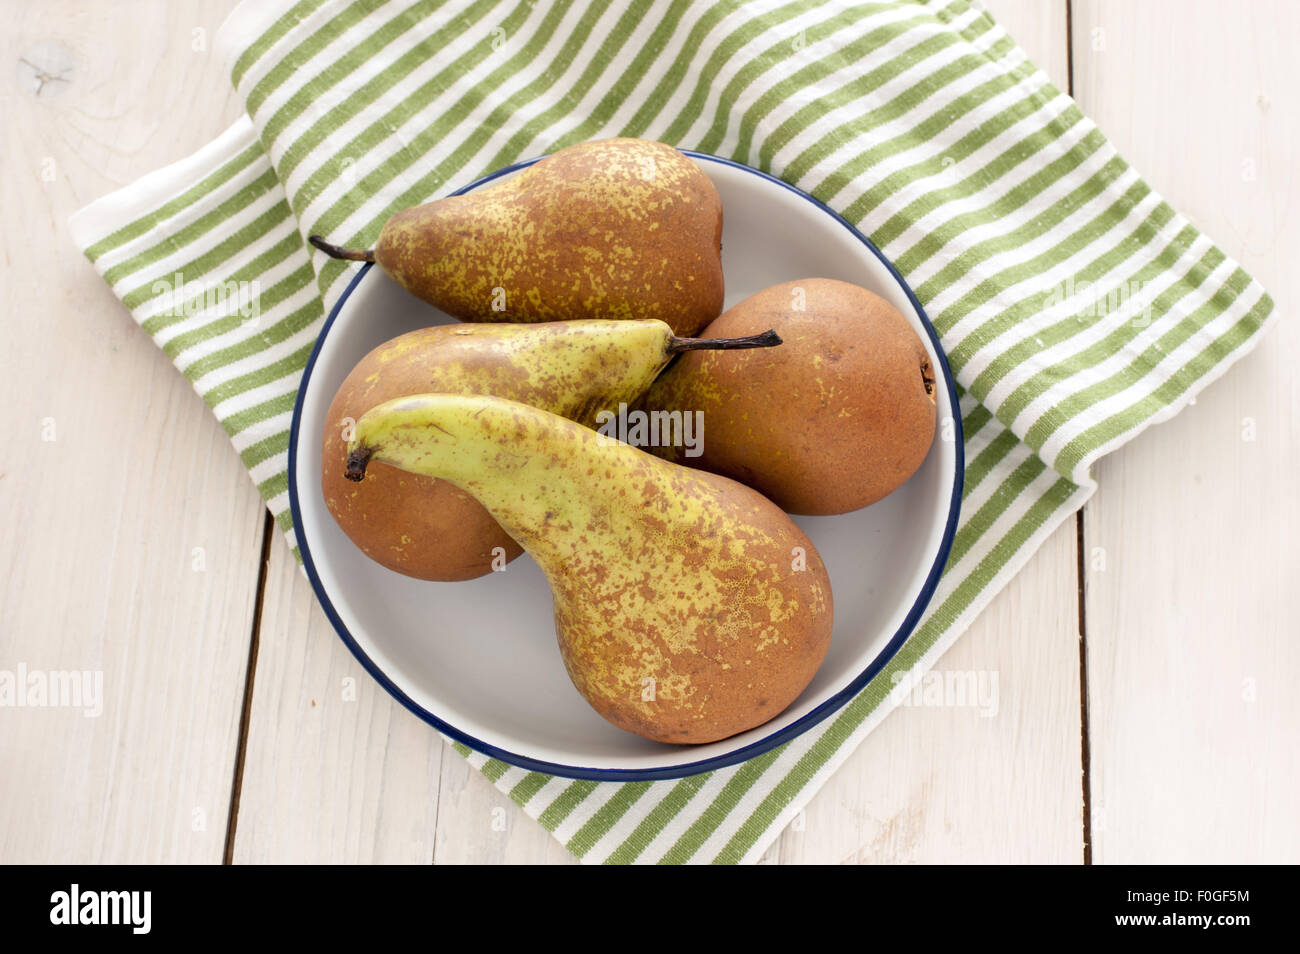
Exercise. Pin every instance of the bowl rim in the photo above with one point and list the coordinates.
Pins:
(684, 769)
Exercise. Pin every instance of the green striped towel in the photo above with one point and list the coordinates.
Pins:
(1075, 305)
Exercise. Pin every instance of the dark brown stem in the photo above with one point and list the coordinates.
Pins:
(357, 461)
(336, 251)
(768, 339)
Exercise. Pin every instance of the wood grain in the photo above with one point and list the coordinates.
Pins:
(1193, 554)
(130, 538)
(335, 770)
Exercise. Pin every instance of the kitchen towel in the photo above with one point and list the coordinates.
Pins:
(1076, 307)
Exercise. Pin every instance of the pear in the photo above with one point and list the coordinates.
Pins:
(687, 606)
(614, 228)
(856, 412)
(430, 529)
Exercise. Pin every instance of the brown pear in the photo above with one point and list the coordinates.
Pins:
(835, 419)
(614, 228)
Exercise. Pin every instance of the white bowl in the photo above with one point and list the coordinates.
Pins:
(479, 660)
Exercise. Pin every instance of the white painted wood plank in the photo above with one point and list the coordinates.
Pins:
(335, 770)
(937, 784)
(477, 824)
(1192, 622)
(131, 538)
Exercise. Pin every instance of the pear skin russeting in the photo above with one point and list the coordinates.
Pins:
(613, 228)
(856, 412)
(429, 528)
(688, 607)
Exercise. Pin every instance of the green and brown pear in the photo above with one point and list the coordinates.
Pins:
(429, 528)
(613, 228)
(688, 607)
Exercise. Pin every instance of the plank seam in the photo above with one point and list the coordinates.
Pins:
(245, 713)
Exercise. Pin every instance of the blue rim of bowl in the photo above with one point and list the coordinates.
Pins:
(743, 754)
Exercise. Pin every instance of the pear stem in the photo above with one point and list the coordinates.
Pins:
(357, 461)
(768, 339)
(337, 251)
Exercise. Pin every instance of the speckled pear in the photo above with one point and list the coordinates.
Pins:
(688, 607)
(857, 410)
(613, 228)
(429, 528)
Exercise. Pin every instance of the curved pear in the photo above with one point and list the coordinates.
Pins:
(688, 607)
(613, 228)
(430, 529)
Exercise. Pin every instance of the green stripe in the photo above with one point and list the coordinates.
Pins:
(718, 57)
(600, 61)
(668, 808)
(901, 105)
(877, 194)
(292, 61)
(274, 486)
(783, 792)
(918, 130)
(264, 449)
(1143, 366)
(976, 419)
(675, 75)
(200, 227)
(698, 833)
(494, 769)
(1092, 356)
(593, 124)
(257, 49)
(978, 523)
(218, 325)
(1086, 443)
(381, 131)
(606, 817)
(565, 803)
(223, 325)
(527, 787)
(333, 74)
(1095, 271)
(1012, 200)
(304, 317)
(779, 54)
(857, 88)
(252, 272)
(976, 254)
(261, 376)
(195, 195)
(237, 242)
(423, 54)
(281, 404)
(982, 464)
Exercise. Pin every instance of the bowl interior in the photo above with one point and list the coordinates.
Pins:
(481, 656)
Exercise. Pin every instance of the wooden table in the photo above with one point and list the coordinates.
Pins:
(1143, 658)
